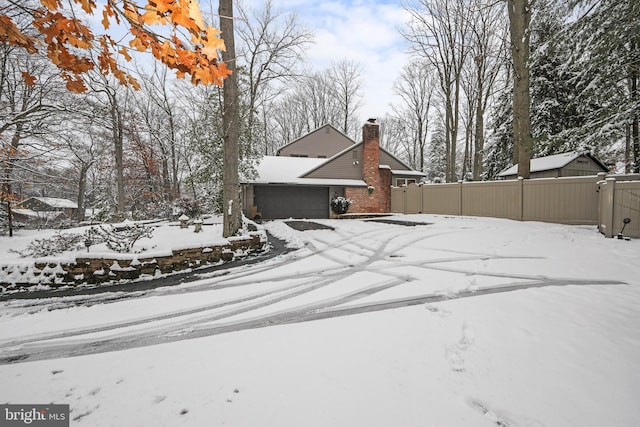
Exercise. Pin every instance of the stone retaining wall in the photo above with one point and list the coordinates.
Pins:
(102, 270)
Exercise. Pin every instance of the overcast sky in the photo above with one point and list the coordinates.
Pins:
(364, 31)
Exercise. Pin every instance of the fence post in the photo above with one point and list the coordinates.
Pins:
(520, 198)
(607, 195)
(460, 198)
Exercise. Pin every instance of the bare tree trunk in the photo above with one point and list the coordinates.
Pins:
(82, 187)
(232, 215)
(479, 127)
(447, 141)
(635, 128)
(627, 148)
(8, 192)
(635, 135)
(479, 146)
(9, 218)
(519, 19)
(421, 141)
(118, 143)
(466, 160)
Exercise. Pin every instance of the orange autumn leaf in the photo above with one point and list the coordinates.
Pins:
(28, 79)
(133, 82)
(88, 5)
(74, 84)
(212, 46)
(79, 42)
(162, 6)
(137, 44)
(196, 15)
(121, 76)
(9, 32)
(105, 18)
(125, 53)
(186, 58)
(67, 40)
(51, 4)
(151, 17)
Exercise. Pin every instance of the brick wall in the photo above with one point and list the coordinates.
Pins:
(376, 198)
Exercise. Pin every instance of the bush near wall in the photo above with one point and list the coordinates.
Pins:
(105, 270)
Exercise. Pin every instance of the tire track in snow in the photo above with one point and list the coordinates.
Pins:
(312, 312)
(188, 327)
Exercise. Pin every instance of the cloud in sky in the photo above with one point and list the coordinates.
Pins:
(364, 31)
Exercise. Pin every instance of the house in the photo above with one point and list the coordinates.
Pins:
(50, 207)
(306, 174)
(559, 165)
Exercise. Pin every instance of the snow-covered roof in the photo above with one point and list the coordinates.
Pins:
(57, 203)
(288, 170)
(407, 172)
(280, 169)
(28, 213)
(546, 163)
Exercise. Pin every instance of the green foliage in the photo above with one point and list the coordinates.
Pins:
(340, 205)
(499, 150)
(582, 95)
(436, 163)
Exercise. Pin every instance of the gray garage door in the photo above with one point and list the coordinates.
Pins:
(292, 202)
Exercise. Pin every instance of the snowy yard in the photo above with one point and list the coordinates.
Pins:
(458, 322)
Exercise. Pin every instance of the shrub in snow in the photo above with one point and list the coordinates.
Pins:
(119, 239)
(186, 206)
(54, 245)
(340, 205)
(150, 209)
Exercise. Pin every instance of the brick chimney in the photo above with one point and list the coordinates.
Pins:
(376, 197)
(371, 152)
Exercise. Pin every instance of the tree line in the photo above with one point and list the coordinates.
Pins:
(117, 149)
(492, 82)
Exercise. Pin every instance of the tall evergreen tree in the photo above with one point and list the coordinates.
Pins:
(436, 155)
(604, 44)
(499, 152)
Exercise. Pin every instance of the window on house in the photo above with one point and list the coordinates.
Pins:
(402, 182)
(322, 157)
(299, 155)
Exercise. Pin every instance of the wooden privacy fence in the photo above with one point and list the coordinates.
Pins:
(588, 200)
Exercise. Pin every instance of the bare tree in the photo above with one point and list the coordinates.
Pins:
(82, 149)
(438, 31)
(519, 19)
(231, 206)
(487, 44)
(273, 46)
(415, 88)
(345, 78)
(27, 112)
(157, 107)
(110, 102)
(398, 137)
(324, 97)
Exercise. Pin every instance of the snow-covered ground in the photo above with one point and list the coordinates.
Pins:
(165, 237)
(462, 322)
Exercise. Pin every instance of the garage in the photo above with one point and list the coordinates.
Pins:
(284, 201)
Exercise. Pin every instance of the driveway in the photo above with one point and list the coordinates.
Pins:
(340, 268)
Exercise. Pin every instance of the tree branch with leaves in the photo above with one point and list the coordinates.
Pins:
(186, 45)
